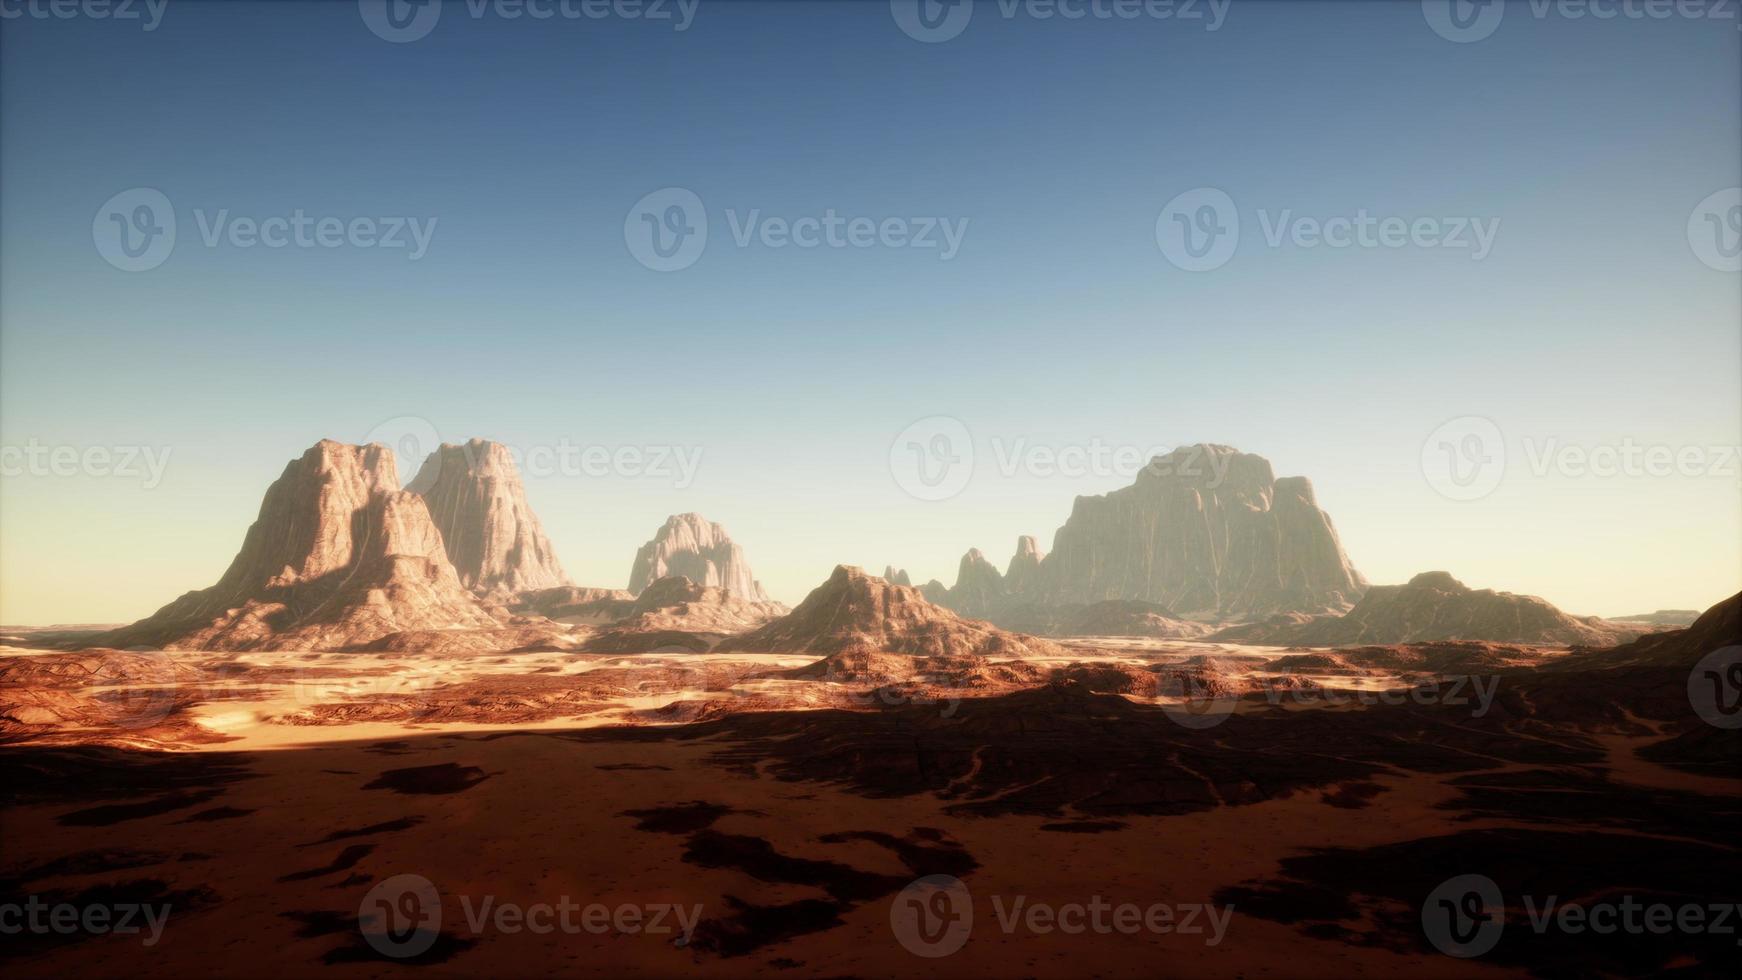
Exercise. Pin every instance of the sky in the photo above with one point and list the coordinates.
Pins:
(1018, 252)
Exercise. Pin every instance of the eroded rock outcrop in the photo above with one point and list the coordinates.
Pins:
(476, 498)
(1434, 606)
(1209, 533)
(695, 548)
(861, 614)
(338, 557)
(896, 576)
(677, 614)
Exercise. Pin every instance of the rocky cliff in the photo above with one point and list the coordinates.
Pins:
(699, 550)
(1209, 533)
(491, 535)
(338, 557)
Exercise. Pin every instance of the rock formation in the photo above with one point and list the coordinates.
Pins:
(676, 613)
(699, 550)
(935, 592)
(1208, 532)
(896, 576)
(575, 604)
(1023, 573)
(475, 496)
(338, 557)
(856, 613)
(1127, 617)
(1434, 606)
(979, 589)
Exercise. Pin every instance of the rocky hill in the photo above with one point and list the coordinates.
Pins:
(858, 613)
(695, 548)
(675, 612)
(1434, 606)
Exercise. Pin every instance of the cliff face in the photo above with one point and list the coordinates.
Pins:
(338, 557)
(1207, 532)
(475, 496)
(690, 546)
(1435, 606)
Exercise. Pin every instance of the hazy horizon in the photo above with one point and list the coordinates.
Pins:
(1568, 300)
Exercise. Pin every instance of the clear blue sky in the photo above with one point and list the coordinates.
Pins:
(1060, 321)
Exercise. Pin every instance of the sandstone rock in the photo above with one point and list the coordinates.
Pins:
(477, 501)
(575, 604)
(935, 592)
(676, 612)
(699, 550)
(896, 576)
(338, 557)
(1023, 573)
(1207, 532)
(979, 589)
(860, 614)
(1434, 606)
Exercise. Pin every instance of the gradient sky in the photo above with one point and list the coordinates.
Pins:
(1059, 322)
